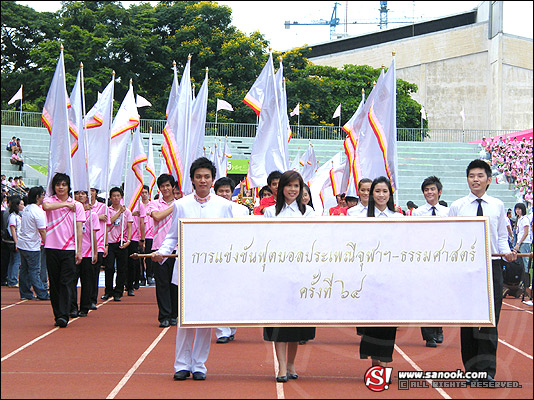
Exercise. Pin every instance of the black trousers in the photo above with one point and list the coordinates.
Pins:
(121, 257)
(96, 275)
(378, 343)
(84, 272)
(479, 345)
(61, 269)
(132, 266)
(149, 269)
(166, 292)
(430, 333)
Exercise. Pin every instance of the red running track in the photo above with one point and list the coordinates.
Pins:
(119, 351)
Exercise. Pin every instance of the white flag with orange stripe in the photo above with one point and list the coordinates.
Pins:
(127, 118)
(79, 178)
(133, 185)
(150, 165)
(55, 118)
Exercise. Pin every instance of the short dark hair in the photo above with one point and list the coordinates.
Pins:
(35, 192)
(362, 181)
(263, 190)
(145, 187)
(272, 176)
(166, 178)
(116, 189)
(478, 163)
(432, 180)
(411, 204)
(371, 205)
(443, 203)
(202, 162)
(522, 207)
(285, 179)
(58, 178)
(224, 181)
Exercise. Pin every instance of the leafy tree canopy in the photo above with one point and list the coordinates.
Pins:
(141, 43)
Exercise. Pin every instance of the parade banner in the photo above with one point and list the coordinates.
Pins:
(335, 271)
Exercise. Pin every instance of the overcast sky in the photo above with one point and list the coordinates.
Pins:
(268, 17)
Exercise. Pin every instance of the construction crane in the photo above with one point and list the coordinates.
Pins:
(382, 22)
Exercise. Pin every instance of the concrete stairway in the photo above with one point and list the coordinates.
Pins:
(417, 160)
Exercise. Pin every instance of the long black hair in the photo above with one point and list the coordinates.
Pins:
(285, 179)
(371, 205)
(307, 188)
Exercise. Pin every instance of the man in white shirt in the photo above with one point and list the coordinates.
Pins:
(189, 356)
(479, 345)
(431, 188)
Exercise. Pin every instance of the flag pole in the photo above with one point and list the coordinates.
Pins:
(109, 155)
(216, 111)
(395, 119)
(298, 124)
(85, 158)
(21, 86)
(125, 177)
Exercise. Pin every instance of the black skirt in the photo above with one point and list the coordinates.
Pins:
(378, 343)
(288, 334)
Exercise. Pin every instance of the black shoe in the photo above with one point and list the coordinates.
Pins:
(439, 339)
(281, 379)
(431, 343)
(29, 298)
(42, 298)
(303, 341)
(165, 324)
(199, 376)
(136, 286)
(232, 337)
(469, 381)
(116, 298)
(488, 379)
(105, 297)
(181, 375)
(82, 313)
(73, 314)
(61, 322)
(292, 376)
(142, 283)
(150, 281)
(173, 322)
(131, 293)
(93, 307)
(223, 339)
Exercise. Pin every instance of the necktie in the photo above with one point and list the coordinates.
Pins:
(433, 210)
(480, 213)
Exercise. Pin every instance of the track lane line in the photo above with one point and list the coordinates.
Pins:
(41, 337)
(442, 392)
(14, 304)
(279, 386)
(519, 308)
(516, 349)
(139, 361)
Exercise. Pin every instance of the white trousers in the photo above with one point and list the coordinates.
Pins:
(224, 332)
(191, 356)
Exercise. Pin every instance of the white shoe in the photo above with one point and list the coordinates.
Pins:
(528, 303)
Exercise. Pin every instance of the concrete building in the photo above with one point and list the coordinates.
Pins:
(459, 61)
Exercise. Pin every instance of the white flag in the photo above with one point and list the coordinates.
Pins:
(256, 94)
(150, 165)
(133, 185)
(337, 113)
(309, 164)
(296, 110)
(267, 153)
(98, 121)
(18, 96)
(79, 178)
(462, 114)
(224, 105)
(55, 118)
(126, 119)
(142, 102)
(423, 113)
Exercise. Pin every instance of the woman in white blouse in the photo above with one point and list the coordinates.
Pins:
(286, 339)
(524, 237)
(378, 342)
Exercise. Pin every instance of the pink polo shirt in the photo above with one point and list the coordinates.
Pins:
(86, 229)
(100, 209)
(162, 227)
(136, 232)
(149, 224)
(114, 231)
(60, 224)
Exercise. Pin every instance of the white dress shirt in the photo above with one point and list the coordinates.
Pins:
(239, 210)
(387, 213)
(359, 210)
(426, 210)
(288, 211)
(494, 209)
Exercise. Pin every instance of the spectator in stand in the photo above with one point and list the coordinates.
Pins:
(16, 159)
(12, 143)
(19, 146)
(16, 205)
(523, 233)
(3, 179)
(22, 185)
(32, 233)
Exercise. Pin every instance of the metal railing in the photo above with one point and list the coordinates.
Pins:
(33, 119)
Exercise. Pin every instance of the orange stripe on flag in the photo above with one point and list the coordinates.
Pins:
(379, 133)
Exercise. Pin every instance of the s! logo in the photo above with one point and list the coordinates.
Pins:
(377, 378)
